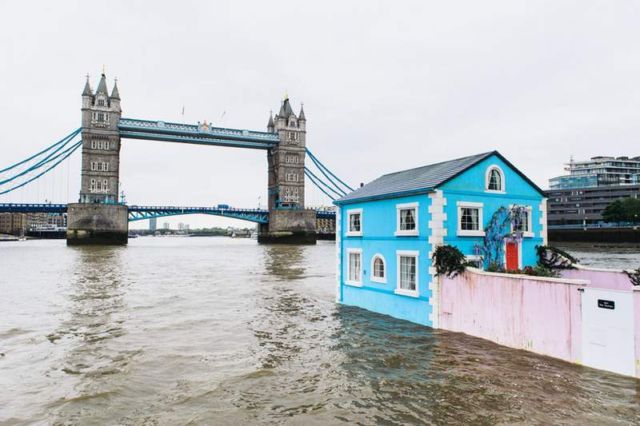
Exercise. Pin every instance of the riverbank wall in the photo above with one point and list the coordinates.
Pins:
(587, 316)
(595, 235)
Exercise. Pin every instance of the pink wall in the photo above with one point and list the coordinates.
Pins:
(535, 314)
(636, 297)
(600, 278)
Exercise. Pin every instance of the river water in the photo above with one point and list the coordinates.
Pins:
(222, 331)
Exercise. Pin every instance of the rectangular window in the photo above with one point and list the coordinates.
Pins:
(354, 267)
(470, 219)
(407, 273)
(525, 225)
(292, 177)
(354, 219)
(92, 185)
(407, 219)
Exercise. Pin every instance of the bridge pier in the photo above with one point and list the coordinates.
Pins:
(103, 224)
(289, 227)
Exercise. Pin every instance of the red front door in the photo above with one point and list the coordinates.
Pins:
(512, 256)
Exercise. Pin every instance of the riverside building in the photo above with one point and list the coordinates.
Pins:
(579, 198)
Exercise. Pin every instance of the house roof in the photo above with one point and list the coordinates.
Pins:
(421, 179)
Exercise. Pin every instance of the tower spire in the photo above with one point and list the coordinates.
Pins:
(270, 125)
(115, 93)
(301, 116)
(102, 86)
(87, 88)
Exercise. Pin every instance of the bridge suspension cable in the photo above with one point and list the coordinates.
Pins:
(311, 177)
(56, 160)
(48, 159)
(63, 142)
(325, 170)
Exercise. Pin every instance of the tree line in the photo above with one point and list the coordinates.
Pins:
(623, 210)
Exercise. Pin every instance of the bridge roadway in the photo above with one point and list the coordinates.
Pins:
(149, 212)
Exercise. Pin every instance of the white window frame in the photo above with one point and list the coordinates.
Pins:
(347, 280)
(466, 232)
(402, 291)
(383, 279)
(406, 206)
(351, 233)
(487, 177)
(529, 233)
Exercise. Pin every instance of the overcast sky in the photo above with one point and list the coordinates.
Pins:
(386, 85)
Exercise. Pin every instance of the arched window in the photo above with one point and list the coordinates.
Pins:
(494, 179)
(378, 269)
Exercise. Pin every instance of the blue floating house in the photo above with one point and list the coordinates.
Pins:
(388, 229)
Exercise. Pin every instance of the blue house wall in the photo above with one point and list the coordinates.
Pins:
(470, 187)
(378, 228)
(437, 224)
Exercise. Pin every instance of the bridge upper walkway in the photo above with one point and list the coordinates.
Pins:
(201, 134)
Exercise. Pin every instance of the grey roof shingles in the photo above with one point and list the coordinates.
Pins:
(420, 179)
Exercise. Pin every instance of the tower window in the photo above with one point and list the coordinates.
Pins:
(291, 159)
(101, 102)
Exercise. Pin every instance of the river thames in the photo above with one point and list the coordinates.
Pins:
(224, 331)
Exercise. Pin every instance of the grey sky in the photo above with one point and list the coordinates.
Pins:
(386, 85)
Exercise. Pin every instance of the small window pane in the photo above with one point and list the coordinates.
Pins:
(408, 273)
(378, 268)
(523, 224)
(407, 219)
(354, 267)
(354, 222)
(469, 220)
(495, 180)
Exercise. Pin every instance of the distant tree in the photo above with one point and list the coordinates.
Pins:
(614, 212)
(623, 210)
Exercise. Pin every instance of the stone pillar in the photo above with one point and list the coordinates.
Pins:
(289, 227)
(103, 224)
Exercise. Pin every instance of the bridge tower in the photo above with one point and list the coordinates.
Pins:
(289, 222)
(97, 218)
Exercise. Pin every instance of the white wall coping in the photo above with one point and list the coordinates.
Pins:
(529, 277)
(591, 268)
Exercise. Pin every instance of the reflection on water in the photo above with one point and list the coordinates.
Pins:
(285, 262)
(221, 331)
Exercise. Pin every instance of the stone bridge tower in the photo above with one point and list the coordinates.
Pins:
(289, 222)
(97, 218)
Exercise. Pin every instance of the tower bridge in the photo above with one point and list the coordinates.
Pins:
(100, 218)
(136, 213)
